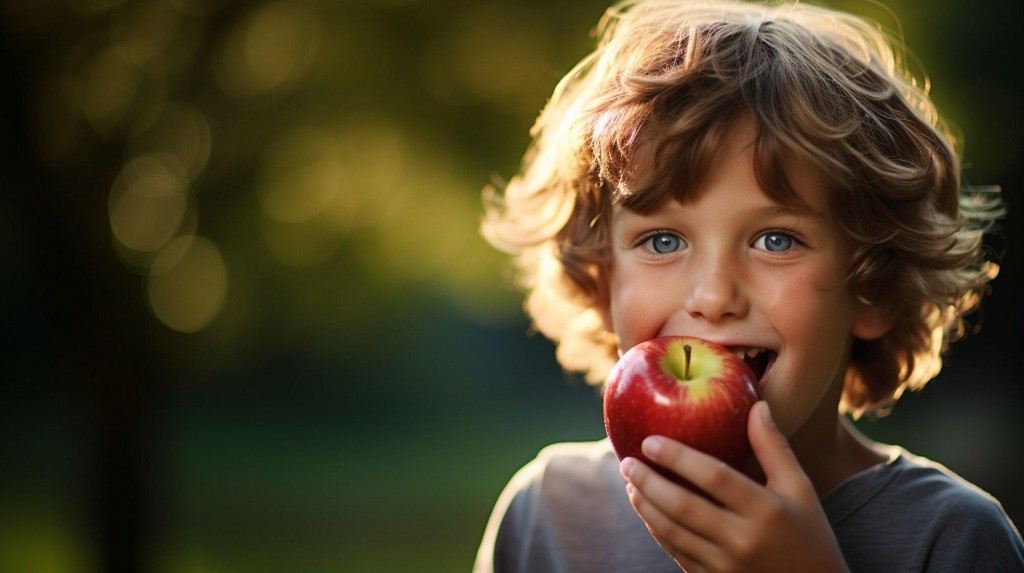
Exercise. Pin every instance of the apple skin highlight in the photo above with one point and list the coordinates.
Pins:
(649, 393)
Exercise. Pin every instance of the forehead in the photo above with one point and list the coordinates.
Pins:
(665, 166)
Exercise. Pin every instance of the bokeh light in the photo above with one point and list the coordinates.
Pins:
(300, 175)
(270, 48)
(302, 244)
(143, 30)
(148, 201)
(116, 91)
(179, 129)
(498, 51)
(188, 283)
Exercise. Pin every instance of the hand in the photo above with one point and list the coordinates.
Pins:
(779, 526)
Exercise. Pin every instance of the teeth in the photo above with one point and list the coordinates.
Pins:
(747, 352)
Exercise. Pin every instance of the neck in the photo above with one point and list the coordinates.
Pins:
(831, 460)
(830, 448)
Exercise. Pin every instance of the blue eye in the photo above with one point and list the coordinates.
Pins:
(664, 243)
(775, 242)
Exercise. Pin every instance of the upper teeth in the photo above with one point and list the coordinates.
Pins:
(748, 352)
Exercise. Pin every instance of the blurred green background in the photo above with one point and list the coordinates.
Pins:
(249, 325)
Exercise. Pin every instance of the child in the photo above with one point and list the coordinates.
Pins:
(763, 177)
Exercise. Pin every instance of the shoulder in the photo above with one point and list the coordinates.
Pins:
(917, 513)
(921, 478)
(563, 476)
(567, 510)
(969, 530)
(532, 510)
(589, 465)
(904, 482)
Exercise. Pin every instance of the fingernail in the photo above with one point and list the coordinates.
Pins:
(652, 446)
(625, 467)
(630, 489)
(766, 414)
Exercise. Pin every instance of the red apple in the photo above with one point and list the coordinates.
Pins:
(688, 389)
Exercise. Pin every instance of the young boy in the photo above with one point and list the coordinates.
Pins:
(764, 177)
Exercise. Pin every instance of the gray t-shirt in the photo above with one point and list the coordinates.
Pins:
(567, 511)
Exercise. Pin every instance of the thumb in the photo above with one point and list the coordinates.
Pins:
(776, 457)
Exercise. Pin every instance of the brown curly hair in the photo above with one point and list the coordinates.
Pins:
(822, 86)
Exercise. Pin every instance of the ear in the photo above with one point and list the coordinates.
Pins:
(871, 322)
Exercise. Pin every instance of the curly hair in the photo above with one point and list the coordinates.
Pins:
(825, 87)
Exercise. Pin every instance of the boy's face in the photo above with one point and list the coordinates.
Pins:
(733, 266)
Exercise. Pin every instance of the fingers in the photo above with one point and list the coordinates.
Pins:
(773, 451)
(678, 542)
(725, 484)
(679, 520)
(742, 522)
(707, 473)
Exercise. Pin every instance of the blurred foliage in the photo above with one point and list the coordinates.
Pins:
(248, 310)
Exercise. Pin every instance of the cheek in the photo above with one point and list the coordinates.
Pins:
(815, 328)
(812, 297)
(825, 315)
(636, 312)
(815, 320)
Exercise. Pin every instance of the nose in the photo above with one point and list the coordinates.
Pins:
(716, 290)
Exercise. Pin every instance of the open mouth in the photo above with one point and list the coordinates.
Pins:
(759, 360)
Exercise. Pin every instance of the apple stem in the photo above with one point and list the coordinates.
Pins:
(686, 365)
